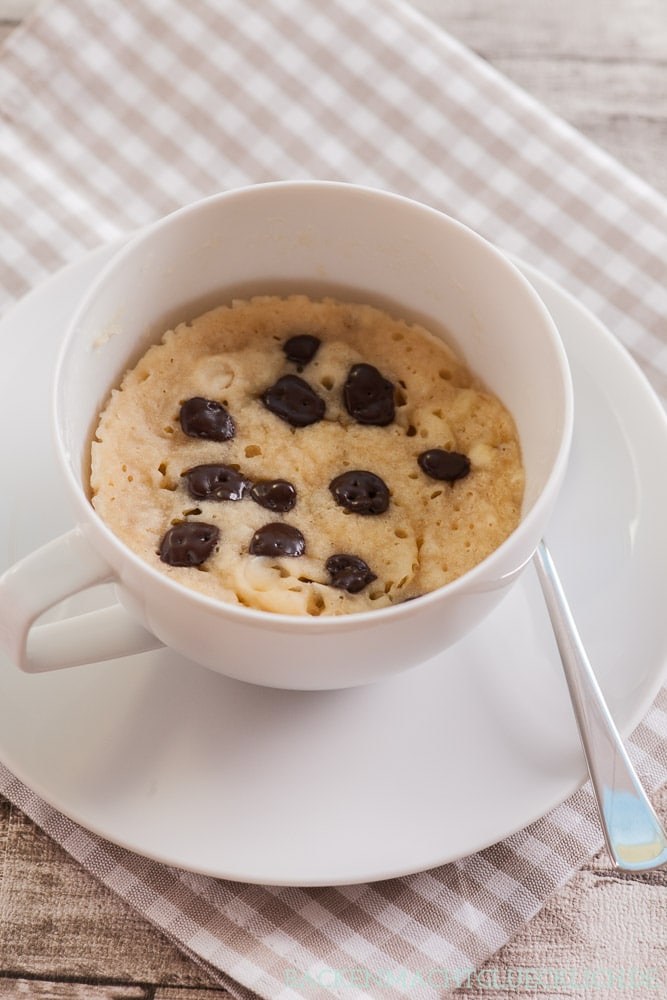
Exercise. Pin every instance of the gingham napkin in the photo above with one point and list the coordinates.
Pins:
(112, 114)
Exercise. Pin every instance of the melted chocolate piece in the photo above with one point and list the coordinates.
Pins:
(360, 492)
(277, 539)
(188, 544)
(216, 482)
(349, 573)
(369, 396)
(274, 494)
(444, 465)
(206, 418)
(302, 348)
(294, 401)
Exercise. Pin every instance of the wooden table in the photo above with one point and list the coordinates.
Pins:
(603, 67)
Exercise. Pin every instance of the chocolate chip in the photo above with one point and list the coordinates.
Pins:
(274, 494)
(206, 418)
(369, 396)
(349, 573)
(360, 492)
(277, 539)
(294, 401)
(216, 482)
(302, 348)
(444, 465)
(188, 544)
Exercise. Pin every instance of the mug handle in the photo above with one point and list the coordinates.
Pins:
(62, 567)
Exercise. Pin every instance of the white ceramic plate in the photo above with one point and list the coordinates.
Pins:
(187, 767)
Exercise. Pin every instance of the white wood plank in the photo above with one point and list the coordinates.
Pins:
(575, 29)
(56, 918)
(17, 989)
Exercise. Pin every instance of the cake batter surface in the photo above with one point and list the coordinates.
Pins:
(306, 457)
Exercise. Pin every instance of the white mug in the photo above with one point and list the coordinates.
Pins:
(310, 236)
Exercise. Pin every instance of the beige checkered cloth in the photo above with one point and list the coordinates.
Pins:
(112, 114)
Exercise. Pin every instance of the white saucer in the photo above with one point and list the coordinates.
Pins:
(186, 767)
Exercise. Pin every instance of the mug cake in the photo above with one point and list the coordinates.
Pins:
(306, 457)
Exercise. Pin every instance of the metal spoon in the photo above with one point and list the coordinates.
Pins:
(633, 834)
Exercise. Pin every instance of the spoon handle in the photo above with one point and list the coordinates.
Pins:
(633, 834)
